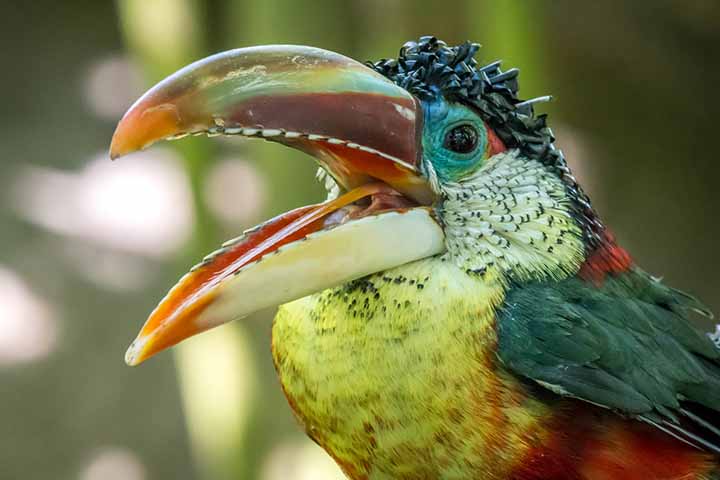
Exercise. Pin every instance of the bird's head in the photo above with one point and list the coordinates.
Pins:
(425, 155)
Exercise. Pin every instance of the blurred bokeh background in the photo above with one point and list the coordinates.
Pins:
(88, 246)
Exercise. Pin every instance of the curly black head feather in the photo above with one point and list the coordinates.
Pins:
(429, 69)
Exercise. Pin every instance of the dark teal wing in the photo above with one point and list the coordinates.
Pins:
(626, 345)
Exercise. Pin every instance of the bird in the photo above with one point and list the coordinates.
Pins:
(456, 308)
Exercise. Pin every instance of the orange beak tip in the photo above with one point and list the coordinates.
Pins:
(135, 353)
(117, 151)
(119, 146)
(143, 126)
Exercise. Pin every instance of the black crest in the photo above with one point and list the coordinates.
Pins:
(429, 69)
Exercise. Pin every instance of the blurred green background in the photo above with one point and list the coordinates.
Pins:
(87, 247)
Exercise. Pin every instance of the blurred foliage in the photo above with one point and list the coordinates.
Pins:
(634, 86)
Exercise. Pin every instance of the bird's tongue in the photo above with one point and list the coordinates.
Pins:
(185, 310)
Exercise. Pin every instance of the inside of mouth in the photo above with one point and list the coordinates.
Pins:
(371, 197)
(384, 199)
(374, 196)
(350, 164)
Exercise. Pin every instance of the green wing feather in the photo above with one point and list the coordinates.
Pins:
(626, 345)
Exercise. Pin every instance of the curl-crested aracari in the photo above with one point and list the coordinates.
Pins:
(457, 308)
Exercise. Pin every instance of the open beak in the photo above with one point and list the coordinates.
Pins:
(363, 130)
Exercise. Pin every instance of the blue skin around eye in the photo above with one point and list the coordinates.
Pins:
(441, 117)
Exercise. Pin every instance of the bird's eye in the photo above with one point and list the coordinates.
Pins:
(461, 139)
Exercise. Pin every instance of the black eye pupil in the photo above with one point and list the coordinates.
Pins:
(462, 139)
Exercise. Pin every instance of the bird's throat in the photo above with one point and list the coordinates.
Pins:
(395, 374)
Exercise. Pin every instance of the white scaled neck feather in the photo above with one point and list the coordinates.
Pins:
(514, 214)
